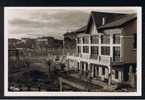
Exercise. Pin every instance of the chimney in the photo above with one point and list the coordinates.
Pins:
(103, 20)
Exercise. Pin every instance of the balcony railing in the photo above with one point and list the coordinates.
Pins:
(93, 56)
(105, 60)
(96, 59)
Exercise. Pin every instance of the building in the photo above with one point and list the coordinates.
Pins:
(48, 46)
(69, 43)
(28, 43)
(107, 49)
(70, 38)
(49, 42)
(12, 43)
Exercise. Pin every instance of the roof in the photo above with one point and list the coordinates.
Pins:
(76, 32)
(125, 66)
(96, 17)
(82, 29)
(119, 22)
(111, 20)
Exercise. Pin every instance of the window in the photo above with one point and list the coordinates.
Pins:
(79, 40)
(116, 53)
(105, 39)
(105, 50)
(85, 39)
(94, 52)
(103, 71)
(94, 39)
(116, 38)
(85, 49)
(116, 74)
(79, 49)
(135, 43)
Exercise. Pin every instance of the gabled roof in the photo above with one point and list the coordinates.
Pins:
(111, 20)
(119, 22)
(96, 17)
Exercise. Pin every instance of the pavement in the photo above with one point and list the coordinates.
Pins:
(81, 84)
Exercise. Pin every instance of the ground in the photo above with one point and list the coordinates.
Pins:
(34, 74)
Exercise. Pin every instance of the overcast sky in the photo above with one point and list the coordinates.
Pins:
(38, 22)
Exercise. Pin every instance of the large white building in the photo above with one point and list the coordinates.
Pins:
(107, 49)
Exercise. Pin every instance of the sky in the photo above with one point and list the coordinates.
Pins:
(33, 22)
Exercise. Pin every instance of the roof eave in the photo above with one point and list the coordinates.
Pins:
(116, 25)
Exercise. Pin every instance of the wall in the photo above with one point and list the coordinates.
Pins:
(130, 28)
(129, 53)
(93, 29)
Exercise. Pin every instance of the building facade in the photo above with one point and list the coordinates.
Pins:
(107, 50)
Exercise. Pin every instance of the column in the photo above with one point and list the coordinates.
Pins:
(110, 73)
(111, 45)
(89, 44)
(121, 48)
(109, 79)
(89, 69)
(60, 84)
(84, 67)
(99, 47)
(78, 66)
(131, 76)
(93, 70)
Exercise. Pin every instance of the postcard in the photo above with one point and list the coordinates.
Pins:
(73, 51)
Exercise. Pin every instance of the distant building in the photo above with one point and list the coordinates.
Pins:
(48, 45)
(12, 42)
(49, 42)
(70, 38)
(28, 43)
(107, 49)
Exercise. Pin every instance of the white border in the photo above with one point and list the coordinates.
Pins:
(139, 57)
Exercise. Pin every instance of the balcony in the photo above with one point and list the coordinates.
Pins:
(100, 60)
(105, 59)
(94, 56)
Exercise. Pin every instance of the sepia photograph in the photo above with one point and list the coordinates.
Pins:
(72, 51)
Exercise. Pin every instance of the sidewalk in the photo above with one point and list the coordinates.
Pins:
(97, 82)
(94, 81)
(81, 84)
